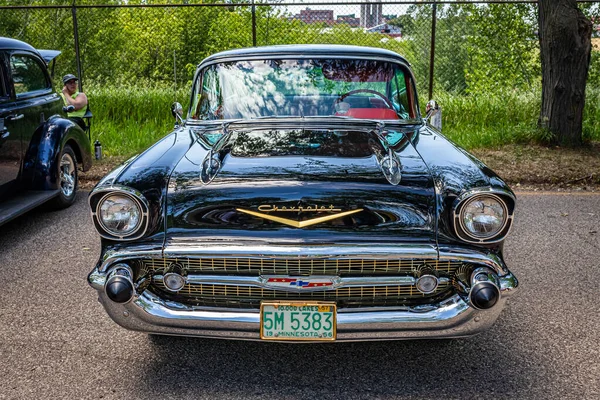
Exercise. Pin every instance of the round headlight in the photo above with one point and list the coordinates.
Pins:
(119, 214)
(483, 217)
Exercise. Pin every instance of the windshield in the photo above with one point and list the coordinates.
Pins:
(364, 89)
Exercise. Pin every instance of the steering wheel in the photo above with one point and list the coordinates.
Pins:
(387, 101)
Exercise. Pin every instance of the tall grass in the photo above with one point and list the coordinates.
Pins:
(129, 119)
(492, 120)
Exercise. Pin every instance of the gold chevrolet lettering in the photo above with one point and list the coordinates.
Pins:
(315, 208)
(299, 224)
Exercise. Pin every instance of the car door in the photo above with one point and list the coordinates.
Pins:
(10, 141)
(32, 100)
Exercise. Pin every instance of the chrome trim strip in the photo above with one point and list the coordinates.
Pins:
(251, 249)
(337, 282)
(485, 190)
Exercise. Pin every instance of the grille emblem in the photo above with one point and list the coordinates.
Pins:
(300, 284)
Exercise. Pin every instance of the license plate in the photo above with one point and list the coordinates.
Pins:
(297, 321)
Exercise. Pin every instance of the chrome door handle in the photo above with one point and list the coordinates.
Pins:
(14, 117)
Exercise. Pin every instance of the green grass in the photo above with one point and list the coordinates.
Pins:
(128, 120)
(477, 121)
(493, 120)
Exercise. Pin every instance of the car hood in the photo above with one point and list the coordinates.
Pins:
(302, 184)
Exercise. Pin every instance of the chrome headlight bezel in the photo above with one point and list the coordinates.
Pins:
(504, 198)
(97, 198)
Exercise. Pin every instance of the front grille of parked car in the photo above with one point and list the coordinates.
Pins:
(250, 296)
(299, 266)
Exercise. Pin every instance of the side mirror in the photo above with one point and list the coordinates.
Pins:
(177, 111)
(68, 108)
(434, 114)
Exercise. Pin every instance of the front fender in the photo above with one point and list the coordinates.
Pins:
(40, 171)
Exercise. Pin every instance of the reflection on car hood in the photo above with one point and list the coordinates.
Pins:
(302, 185)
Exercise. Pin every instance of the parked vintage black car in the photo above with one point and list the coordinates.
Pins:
(303, 198)
(39, 149)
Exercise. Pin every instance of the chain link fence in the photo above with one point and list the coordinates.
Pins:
(454, 47)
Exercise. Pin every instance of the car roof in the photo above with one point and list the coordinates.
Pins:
(304, 50)
(14, 44)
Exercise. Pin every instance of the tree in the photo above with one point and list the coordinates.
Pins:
(565, 43)
(502, 48)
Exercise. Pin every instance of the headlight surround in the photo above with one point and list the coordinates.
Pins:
(483, 218)
(119, 214)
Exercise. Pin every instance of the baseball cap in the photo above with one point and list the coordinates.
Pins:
(69, 77)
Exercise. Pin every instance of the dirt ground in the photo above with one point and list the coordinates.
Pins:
(546, 168)
(524, 167)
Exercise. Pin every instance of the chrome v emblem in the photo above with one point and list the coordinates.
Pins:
(299, 224)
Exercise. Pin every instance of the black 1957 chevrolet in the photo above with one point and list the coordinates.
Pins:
(304, 198)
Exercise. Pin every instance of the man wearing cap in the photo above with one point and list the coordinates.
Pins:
(71, 97)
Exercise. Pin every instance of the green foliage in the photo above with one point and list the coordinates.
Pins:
(591, 115)
(502, 47)
(128, 119)
(503, 117)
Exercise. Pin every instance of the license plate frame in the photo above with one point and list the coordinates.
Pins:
(287, 309)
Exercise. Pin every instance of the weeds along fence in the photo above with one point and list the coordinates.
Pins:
(471, 54)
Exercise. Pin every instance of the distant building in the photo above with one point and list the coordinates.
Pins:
(386, 29)
(371, 14)
(315, 16)
(349, 19)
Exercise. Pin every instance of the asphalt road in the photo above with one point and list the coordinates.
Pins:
(56, 342)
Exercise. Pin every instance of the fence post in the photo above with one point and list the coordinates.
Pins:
(432, 50)
(76, 37)
(253, 24)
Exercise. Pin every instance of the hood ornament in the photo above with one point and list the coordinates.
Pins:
(390, 163)
(212, 162)
(210, 167)
(390, 166)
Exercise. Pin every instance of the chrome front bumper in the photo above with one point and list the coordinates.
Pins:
(453, 317)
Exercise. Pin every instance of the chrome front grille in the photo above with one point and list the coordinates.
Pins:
(299, 266)
(224, 294)
(250, 297)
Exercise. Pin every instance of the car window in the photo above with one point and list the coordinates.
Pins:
(3, 88)
(28, 75)
(303, 87)
(400, 95)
